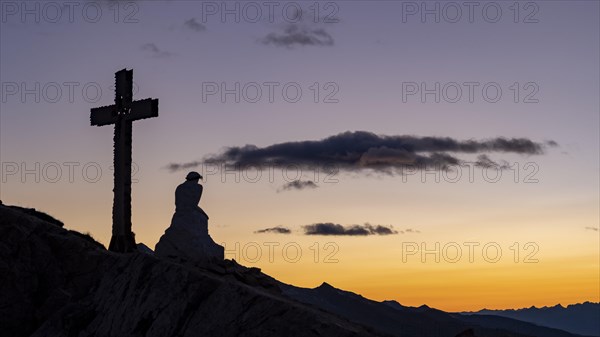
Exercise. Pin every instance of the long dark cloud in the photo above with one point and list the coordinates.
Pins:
(298, 185)
(595, 229)
(278, 230)
(328, 228)
(295, 34)
(361, 150)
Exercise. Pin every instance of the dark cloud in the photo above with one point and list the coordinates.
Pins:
(592, 228)
(294, 34)
(410, 230)
(329, 228)
(194, 25)
(298, 185)
(184, 166)
(154, 51)
(485, 162)
(278, 230)
(361, 150)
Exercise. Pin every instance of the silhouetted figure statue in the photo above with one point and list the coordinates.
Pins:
(188, 194)
(187, 238)
(122, 114)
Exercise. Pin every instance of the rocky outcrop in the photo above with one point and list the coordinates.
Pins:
(55, 283)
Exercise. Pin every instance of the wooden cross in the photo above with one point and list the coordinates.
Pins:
(122, 114)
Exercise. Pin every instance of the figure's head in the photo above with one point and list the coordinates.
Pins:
(193, 176)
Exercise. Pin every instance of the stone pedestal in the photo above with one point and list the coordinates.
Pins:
(187, 238)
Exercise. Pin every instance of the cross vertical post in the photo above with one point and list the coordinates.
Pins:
(122, 114)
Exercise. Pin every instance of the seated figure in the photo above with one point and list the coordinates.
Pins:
(187, 238)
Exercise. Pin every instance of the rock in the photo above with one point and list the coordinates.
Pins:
(467, 333)
(88, 237)
(142, 248)
(187, 239)
(55, 283)
(38, 214)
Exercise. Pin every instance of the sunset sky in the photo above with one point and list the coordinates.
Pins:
(364, 57)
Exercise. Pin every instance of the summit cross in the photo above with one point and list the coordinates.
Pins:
(122, 114)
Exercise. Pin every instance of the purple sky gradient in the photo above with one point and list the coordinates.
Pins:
(373, 53)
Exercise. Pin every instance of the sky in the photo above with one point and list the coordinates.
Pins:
(335, 100)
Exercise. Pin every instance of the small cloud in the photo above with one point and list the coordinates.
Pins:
(294, 34)
(277, 230)
(183, 166)
(484, 161)
(298, 185)
(592, 228)
(329, 228)
(194, 25)
(155, 51)
(382, 230)
(410, 230)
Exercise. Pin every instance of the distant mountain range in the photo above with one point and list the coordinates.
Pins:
(58, 282)
(397, 320)
(583, 319)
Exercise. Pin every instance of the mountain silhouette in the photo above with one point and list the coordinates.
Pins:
(583, 318)
(57, 282)
(398, 320)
